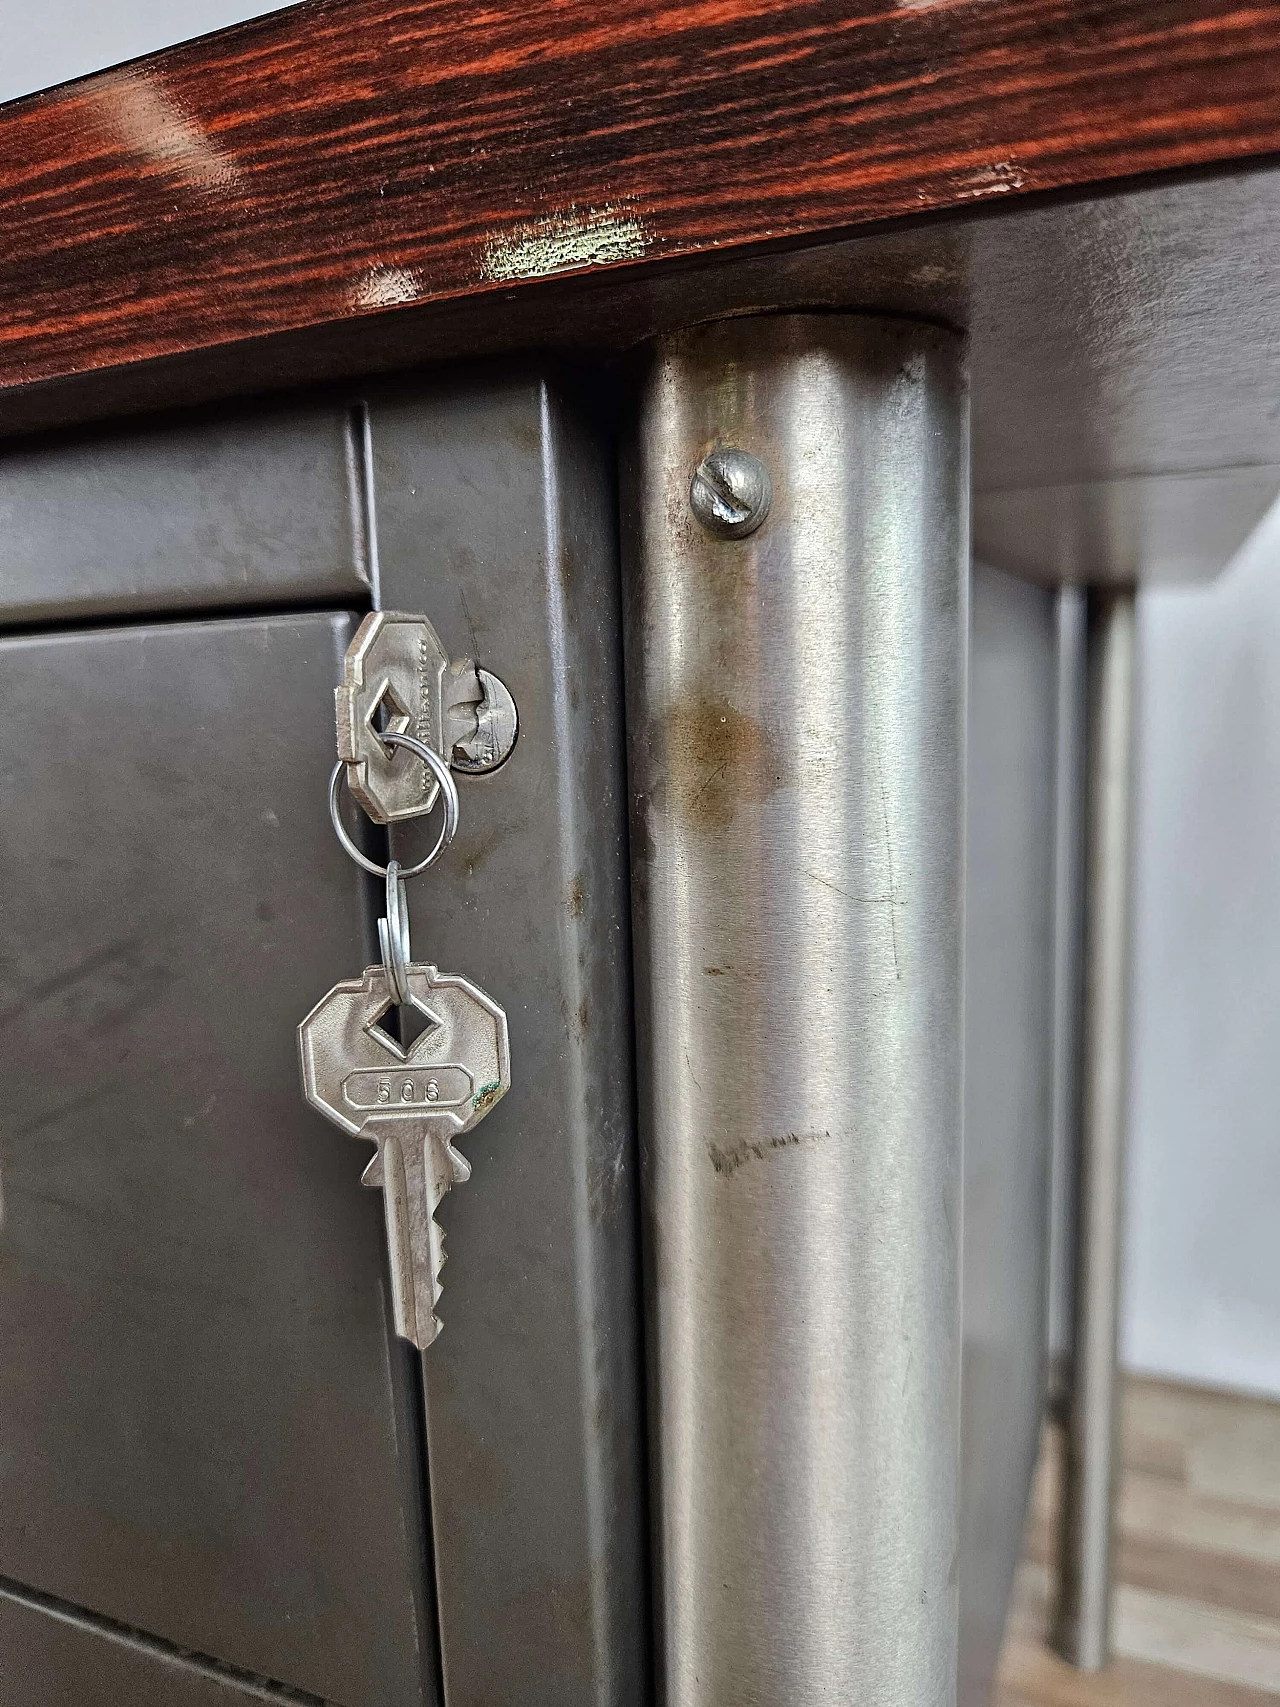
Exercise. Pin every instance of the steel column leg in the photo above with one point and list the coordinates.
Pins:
(796, 729)
(1068, 954)
(1083, 1633)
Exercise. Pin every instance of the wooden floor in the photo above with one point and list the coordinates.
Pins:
(1197, 1616)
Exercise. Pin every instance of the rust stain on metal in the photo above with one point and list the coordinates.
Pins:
(717, 759)
(486, 1097)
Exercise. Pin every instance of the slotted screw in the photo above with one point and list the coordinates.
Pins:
(730, 492)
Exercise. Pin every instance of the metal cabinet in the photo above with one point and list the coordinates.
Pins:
(494, 504)
(1008, 901)
(208, 1432)
(51, 1654)
(214, 1456)
(225, 509)
(221, 1476)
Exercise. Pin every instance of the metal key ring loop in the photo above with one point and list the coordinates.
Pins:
(393, 936)
(448, 793)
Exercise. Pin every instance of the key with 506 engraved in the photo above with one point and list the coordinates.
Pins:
(412, 1102)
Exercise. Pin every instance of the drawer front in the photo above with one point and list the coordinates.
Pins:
(206, 1430)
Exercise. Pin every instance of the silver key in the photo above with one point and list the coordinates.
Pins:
(397, 675)
(412, 1103)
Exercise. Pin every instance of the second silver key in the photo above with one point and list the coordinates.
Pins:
(396, 675)
(412, 1102)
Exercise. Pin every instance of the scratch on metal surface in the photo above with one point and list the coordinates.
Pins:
(566, 242)
(726, 1159)
(888, 857)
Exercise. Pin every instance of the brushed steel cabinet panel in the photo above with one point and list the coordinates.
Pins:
(496, 516)
(230, 509)
(1008, 1036)
(51, 1658)
(204, 1423)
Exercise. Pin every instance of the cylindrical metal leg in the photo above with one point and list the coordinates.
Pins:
(1068, 946)
(796, 712)
(1085, 1606)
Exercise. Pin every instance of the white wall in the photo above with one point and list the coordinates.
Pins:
(1203, 1231)
(43, 42)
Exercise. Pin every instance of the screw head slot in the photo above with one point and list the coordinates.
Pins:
(730, 492)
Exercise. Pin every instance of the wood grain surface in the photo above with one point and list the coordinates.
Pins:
(1197, 1611)
(346, 158)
